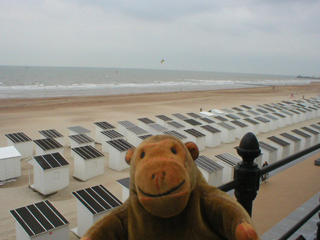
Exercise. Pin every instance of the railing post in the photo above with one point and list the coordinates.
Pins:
(247, 171)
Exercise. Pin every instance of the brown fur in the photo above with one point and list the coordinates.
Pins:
(170, 199)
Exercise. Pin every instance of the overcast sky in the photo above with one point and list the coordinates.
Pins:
(253, 36)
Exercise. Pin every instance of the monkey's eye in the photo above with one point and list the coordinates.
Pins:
(173, 150)
(142, 154)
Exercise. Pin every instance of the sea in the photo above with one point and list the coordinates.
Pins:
(39, 82)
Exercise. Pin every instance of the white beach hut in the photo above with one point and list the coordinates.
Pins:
(156, 129)
(163, 120)
(194, 115)
(206, 120)
(117, 152)
(144, 122)
(232, 117)
(50, 173)
(211, 170)
(47, 146)
(143, 137)
(282, 119)
(123, 127)
(274, 122)
(40, 221)
(269, 153)
(241, 128)
(264, 124)
(253, 126)
(282, 146)
(298, 116)
(178, 117)
(243, 115)
(173, 125)
(102, 126)
(109, 135)
(228, 162)
(52, 133)
(79, 130)
(80, 140)
(305, 138)
(220, 119)
(92, 204)
(196, 137)
(289, 116)
(228, 132)
(22, 143)
(125, 184)
(179, 135)
(213, 135)
(88, 162)
(192, 123)
(295, 143)
(10, 163)
(314, 133)
(133, 134)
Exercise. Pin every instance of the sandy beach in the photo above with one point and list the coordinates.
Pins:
(276, 199)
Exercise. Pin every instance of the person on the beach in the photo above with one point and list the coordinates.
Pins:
(264, 177)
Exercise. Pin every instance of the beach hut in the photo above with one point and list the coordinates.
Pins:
(22, 143)
(52, 133)
(192, 123)
(241, 128)
(211, 170)
(144, 122)
(207, 114)
(243, 115)
(143, 137)
(298, 116)
(156, 129)
(282, 146)
(125, 184)
(232, 117)
(178, 117)
(305, 138)
(205, 120)
(228, 162)
(123, 127)
(80, 140)
(194, 115)
(40, 221)
(313, 133)
(274, 122)
(220, 119)
(261, 111)
(237, 109)
(282, 119)
(50, 173)
(228, 132)
(253, 113)
(102, 126)
(10, 163)
(179, 135)
(92, 204)
(79, 130)
(253, 126)
(295, 143)
(117, 152)
(88, 163)
(133, 134)
(264, 124)
(315, 126)
(217, 112)
(109, 135)
(269, 153)
(289, 116)
(163, 120)
(213, 135)
(245, 107)
(197, 137)
(173, 125)
(47, 145)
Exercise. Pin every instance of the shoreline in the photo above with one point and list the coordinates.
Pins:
(31, 115)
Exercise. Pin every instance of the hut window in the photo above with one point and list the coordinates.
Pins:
(56, 175)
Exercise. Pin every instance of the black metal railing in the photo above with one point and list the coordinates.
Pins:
(247, 175)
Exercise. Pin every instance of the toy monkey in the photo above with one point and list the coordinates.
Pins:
(170, 199)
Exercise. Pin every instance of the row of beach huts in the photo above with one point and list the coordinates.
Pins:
(207, 129)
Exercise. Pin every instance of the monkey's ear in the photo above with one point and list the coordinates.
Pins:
(193, 149)
(129, 155)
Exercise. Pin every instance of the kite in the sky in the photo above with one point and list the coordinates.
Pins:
(162, 61)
